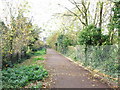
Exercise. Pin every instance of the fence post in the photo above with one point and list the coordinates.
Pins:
(86, 55)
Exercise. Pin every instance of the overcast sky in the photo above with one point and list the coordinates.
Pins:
(42, 10)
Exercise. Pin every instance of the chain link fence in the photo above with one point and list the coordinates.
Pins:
(103, 58)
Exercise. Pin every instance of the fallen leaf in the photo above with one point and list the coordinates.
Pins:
(83, 80)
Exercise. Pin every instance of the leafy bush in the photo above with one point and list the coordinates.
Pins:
(63, 41)
(90, 36)
(39, 58)
(20, 76)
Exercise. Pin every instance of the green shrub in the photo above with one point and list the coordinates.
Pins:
(21, 76)
(90, 35)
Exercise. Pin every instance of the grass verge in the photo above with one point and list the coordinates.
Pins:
(39, 58)
(23, 74)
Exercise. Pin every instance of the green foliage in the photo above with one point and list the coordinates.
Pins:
(20, 76)
(116, 10)
(114, 24)
(20, 36)
(64, 41)
(39, 85)
(90, 36)
(39, 58)
(40, 52)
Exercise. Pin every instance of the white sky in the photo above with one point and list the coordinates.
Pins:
(42, 10)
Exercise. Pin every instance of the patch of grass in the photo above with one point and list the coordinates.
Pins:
(40, 52)
(39, 58)
(20, 76)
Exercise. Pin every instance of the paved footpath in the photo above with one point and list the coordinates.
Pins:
(66, 74)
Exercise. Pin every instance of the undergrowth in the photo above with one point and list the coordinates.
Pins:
(41, 52)
(39, 58)
(19, 77)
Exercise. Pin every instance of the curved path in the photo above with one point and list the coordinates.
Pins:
(66, 74)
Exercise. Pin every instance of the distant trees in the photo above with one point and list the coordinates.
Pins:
(52, 40)
(89, 22)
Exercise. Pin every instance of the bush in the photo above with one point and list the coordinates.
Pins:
(90, 36)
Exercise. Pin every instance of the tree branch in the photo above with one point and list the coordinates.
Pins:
(77, 7)
(76, 16)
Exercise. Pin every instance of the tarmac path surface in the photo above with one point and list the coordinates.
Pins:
(66, 74)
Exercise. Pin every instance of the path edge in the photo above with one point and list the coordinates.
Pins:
(95, 73)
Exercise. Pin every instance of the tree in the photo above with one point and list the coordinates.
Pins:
(52, 39)
(83, 11)
(19, 36)
(63, 42)
(100, 22)
(90, 36)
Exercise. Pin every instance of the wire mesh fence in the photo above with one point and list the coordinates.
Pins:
(103, 58)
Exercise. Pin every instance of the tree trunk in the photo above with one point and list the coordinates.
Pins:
(100, 23)
(86, 55)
